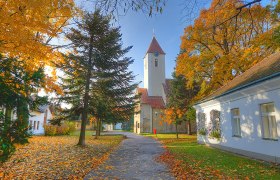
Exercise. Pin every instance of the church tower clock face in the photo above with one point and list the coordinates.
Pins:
(156, 54)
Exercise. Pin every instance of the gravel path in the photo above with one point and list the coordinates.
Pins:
(134, 159)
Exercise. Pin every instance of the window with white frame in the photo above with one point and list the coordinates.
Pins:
(269, 126)
(235, 122)
(156, 62)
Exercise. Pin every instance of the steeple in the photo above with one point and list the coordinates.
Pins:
(154, 69)
(155, 47)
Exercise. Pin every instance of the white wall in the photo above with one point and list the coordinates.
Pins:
(38, 117)
(248, 101)
(145, 114)
(154, 76)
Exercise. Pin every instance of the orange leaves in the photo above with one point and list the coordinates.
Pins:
(172, 115)
(215, 49)
(57, 158)
(26, 26)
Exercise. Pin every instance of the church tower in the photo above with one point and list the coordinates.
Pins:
(154, 69)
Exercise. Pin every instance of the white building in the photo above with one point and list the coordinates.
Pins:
(246, 112)
(154, 95)
(38, 119)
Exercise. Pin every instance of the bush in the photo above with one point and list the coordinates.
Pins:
(215, 134)
(71, 125)
(62, 130)
(202, 132)
(50, 130)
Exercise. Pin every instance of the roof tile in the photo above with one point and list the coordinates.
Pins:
(153, 101)
(155, 47)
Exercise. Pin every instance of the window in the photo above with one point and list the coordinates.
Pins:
(269, 126)
(38, 122)
(235, 122)
(34, 127)
(138, 125)
(156, 62)
(30, 125)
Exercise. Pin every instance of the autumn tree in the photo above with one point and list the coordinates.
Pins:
(179, 104)
(217, 47)
(27, 28)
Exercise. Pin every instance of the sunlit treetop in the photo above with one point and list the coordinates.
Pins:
(28, 26)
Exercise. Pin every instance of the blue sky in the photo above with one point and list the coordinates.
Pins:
(137, 31)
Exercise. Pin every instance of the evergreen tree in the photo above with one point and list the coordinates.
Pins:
(16, 87)
(97, 81)
(180, 101)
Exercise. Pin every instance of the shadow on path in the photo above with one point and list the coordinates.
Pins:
(134, 159)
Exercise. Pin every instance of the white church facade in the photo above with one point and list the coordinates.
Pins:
(154, 95)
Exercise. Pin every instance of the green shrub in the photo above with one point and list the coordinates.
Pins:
(62, 130)
(50, 130)
(71, 125)
(215, 134)
(202, 132)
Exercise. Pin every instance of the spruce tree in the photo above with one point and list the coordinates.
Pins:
(16, 88)
(96, 79)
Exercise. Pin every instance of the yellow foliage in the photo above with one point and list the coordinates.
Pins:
(27, 28)
(27, 25)
(216, 48)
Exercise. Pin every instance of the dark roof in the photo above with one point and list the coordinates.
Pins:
(268, 68)
(153, 101)
(167, 87)
(155, 47)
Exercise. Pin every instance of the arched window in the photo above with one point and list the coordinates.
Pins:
(156, 62)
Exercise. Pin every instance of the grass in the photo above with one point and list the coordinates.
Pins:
(88, 133)
(58, 157)
(204, 159)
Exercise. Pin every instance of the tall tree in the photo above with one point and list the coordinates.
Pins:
(96, 79)
(179, 104)
(16, 88)
(218, 47)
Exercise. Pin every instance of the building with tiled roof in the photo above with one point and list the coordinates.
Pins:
(154, 94)
(245, 112)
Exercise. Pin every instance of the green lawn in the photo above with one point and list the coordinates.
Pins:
(77, 133)
(205, 159)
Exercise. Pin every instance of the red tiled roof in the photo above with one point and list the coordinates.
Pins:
(153, 101)
(155, 47)
(265, 68)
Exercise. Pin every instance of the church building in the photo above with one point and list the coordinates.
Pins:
(154, 95)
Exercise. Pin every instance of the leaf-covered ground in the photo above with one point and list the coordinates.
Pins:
(57, 157)
(189, 160)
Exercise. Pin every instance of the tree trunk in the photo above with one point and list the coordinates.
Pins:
(176, 126)
(21, 123)
(100, 127)
(86, 97)
(97, 128)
